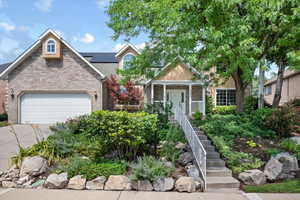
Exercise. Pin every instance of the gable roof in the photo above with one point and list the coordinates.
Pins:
(125, 47)
(287, 74)
(100, 57)
(27, 52)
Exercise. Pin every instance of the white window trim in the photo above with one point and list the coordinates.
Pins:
(55, 46)
(122, 65)
(222, 89)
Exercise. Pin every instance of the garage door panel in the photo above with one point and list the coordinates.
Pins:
(52, 108)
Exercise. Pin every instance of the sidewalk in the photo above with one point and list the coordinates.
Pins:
(37, 194)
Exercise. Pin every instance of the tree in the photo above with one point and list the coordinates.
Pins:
(230, 34)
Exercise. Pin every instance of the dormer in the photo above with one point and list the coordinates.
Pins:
(51, 47)
(126, 54)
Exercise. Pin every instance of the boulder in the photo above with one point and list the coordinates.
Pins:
(185, 158)
(193, 171)
(168, 164)
(142, 185)
(57, 181)
(33, 166)
(180, 146)
(199, 184)
(8, 184)
(77, 183)
(252, 177)
(289, 162)
(296, 139)
(118, 182)
(163, 184)
(96, 184)
(23, 179)
(273, 169)
(185, 184)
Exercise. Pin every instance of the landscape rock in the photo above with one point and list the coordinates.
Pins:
(77, 183)
(185, 158)
(142, 185)
(163, 184)
(296, 139)
(118, 182)
(289, 162)
(179, 172)
(8, 184)
(96, 184)
(252, 177)
(23, 179)
(185, 184)
(57, 181)
(273, 169)
(33, 166)
(180, 146)
(199, 184)
(168, 164)
(193, 171)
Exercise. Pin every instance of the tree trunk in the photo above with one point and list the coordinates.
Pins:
(279, 83)
(261, 85)
(240, 86)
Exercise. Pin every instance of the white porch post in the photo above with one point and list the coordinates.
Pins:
(152, 93)
(204, 99)
(165, 95)
(190, 99)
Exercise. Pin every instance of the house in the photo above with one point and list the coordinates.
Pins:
(52, 82)
(290, 87)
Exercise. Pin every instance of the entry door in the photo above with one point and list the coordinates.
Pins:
(178, 98)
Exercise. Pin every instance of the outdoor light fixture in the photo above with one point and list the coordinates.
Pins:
(12, 93)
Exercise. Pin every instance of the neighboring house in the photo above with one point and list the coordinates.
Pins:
(290, 87)
(52, 82)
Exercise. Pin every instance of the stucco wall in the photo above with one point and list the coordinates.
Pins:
(3, 92)
(66, 75)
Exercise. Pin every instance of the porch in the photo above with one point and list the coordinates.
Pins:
(188, 94)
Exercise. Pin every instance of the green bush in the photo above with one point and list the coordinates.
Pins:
(89, 169)
(148, 168)
(224, 110)
(162, 111)
(292, 147)
(251, 104)
(2, 124)
(209, 104)
(197, 116)
(259, 117)
(122, 132)
(3, 117)
(272, 152)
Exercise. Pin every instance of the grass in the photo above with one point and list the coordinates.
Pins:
(289, 186)
(4, 123)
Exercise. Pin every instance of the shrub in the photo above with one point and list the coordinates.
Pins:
(162, 111)
(197, 116)
(251, 104)
(292, 147)
(209, 104)
(2, 124)
(272, 151)
(148, 168)
(89, 169)
(224, 110)
(122, 132)
(3, 117)
(295, 102)
(259, 117)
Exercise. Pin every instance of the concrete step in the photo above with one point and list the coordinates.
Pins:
(205, 142)
(215, 163)
(218, 172)
(209, 148)
(202, 137)
(218, 182)
(212, 155)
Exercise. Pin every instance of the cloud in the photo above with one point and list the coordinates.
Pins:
(7, 27)
(43, 5)
(119, 46)
(87, 38)
(102, 3)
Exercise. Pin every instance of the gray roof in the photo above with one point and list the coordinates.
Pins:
(107, 68)
(3, 67)
(100, 57)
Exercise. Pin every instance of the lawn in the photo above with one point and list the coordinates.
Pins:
(289, 186)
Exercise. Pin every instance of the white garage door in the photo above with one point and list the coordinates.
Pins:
(52, 108)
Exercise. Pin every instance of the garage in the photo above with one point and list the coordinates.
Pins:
(51, 108)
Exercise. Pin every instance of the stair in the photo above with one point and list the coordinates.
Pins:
(218, 176)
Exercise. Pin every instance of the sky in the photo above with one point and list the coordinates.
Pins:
(80, 22)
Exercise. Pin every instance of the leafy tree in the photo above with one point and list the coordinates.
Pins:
(234, 35)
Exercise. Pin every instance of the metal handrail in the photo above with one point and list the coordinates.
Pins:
(193, 140)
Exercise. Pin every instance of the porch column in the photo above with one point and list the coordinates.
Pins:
(190, 99)
(204, 99)
(165, 95)
(152, 93)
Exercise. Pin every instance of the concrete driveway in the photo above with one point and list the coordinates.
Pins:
(25, 135)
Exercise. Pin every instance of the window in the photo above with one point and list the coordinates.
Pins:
(268, 90)
(51, 46)
(127, 58)
(225, 97)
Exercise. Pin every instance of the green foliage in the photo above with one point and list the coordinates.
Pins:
(163, 113)
(89, 169)
(273, 152)
(288, 186)
(197, 116)
(123, 132)
(259, 117)
(224, 110)
(149, 168)
(295, 102)
(237, 161)
(2, 124)
(292, 147)
(209, 104)
(251, 104)
(3, 117)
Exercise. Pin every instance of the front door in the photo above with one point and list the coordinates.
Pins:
(178, 98)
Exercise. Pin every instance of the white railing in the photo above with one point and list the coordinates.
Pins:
(194, 142)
